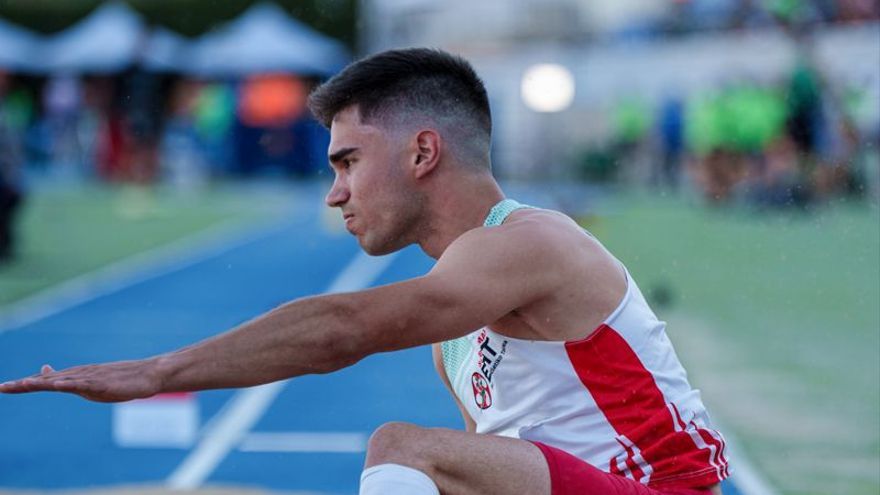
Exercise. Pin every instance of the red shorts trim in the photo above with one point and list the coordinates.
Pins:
(570, 475)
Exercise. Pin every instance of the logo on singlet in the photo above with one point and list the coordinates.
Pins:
(489, 357)
(482, 395)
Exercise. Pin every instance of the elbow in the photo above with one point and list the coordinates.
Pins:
(351, 327)
(328, 351)
(340, 352)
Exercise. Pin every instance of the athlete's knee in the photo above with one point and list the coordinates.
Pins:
(393, 437)
(399, 443)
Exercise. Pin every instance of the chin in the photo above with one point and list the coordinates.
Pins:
(378, 248)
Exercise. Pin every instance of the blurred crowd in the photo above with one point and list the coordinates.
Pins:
(142, 127)
(688, 16)
(789, 144)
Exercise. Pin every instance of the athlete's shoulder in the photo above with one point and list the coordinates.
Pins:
(536, 228)
(532, 235)
(539, 221)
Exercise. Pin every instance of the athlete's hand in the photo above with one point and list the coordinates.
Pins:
(112, 382)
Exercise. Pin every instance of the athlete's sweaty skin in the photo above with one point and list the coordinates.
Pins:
(537, 276)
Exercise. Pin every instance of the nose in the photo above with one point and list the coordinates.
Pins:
(338, 194)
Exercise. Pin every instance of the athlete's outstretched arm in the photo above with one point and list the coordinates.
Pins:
(479, 279)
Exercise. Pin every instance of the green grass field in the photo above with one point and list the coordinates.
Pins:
(69, 230)
(777, 316)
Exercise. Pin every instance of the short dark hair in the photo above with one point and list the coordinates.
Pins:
(427, 81)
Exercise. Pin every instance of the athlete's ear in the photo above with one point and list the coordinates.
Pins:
(427, 156)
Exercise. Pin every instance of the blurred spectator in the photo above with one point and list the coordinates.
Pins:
(142, 107)
(11, 195)
(805, 116)
(631, 120)
(214, 116)
(110, 159)
(62, 101)
(671, 134)
(856, 10)
(780, 182)
(181, 151)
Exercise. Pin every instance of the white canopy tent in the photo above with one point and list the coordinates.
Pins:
(166, 51)
(18, 48)
(265, 39)
(108, 40)
(114, 37)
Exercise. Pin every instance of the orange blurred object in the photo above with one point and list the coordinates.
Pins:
(272, 100)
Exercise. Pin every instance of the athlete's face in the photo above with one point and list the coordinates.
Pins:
(372, 187)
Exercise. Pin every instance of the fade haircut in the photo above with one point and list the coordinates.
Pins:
(409, 86)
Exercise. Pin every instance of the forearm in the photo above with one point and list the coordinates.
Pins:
(312, 335)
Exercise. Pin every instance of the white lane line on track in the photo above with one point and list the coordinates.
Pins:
(237, 417)
(133, 270)
(305, 442)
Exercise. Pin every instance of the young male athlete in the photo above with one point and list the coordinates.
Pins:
(565, 378)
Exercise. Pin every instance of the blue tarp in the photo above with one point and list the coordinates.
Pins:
(266, 39)
(17, 48)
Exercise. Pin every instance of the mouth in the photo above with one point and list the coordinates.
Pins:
(348, 218)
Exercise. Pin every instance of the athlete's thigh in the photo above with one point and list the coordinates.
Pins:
(464, 463)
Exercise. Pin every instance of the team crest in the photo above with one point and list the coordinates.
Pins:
(482, 394)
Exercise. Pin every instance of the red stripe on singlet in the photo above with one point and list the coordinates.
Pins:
(719, 445)
(634, 468)
(627, 394)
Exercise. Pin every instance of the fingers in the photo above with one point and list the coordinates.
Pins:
(42, 384)
(111, 382)
(46, 380)
(22, 386)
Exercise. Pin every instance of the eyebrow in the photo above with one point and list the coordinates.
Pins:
(339, 155)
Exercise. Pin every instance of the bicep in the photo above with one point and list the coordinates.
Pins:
(477, 281)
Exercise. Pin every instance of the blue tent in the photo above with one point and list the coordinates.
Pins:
(106, 41)
(18, 48)
(265, 39)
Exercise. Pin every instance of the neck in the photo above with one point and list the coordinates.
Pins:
(460, 209)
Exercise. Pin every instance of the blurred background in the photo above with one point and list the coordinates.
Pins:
(725, 150)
